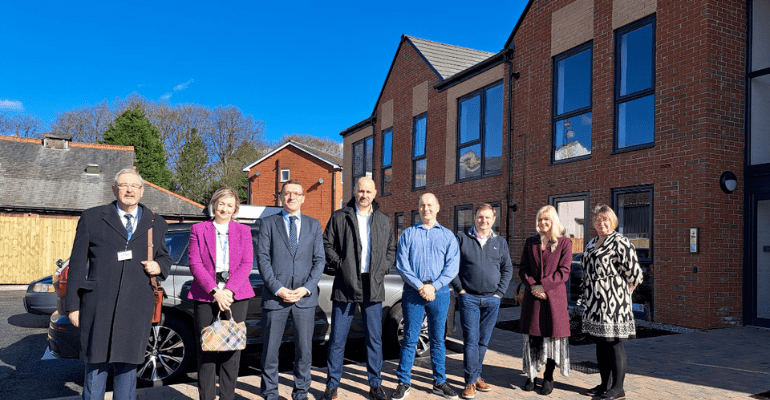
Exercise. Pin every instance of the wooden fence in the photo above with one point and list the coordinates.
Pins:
(30, 246)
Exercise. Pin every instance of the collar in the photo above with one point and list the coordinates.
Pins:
(436, 225)
(285, 214)
(363, 214)
(472, 232)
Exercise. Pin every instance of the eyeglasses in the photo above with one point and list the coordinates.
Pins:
(125, 186)
(294, 194)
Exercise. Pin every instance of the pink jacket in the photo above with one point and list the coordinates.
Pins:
(202, 254)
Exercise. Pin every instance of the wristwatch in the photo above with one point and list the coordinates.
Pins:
(214, 291)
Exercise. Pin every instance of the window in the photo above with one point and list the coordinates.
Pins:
(575, 217)
(480, 133)
(387, 161)
(634, 209)
(758, 84)
(176, 244)
(415, 217)
(635, 85)
(399, 225)
(419, 163)
(362, 160)
(463, 218)
(285, 175)
(572, 118)
(498, 217)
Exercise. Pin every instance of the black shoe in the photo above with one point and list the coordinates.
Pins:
(596, 391)
(377, 393)
(444, 390)
(530, 385)
(329, 394)
(614, 394)
(401, 391)
(547, 388)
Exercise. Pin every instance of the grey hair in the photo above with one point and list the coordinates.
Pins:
(126, 171)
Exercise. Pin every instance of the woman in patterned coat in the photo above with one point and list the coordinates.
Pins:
(611, 273)
(545, 267)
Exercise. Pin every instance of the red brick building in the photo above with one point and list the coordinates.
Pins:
(319, 172)
(648, 106)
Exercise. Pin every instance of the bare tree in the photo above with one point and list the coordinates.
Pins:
(22, 125)
(326, 145)
(229, 130)
(85, 124)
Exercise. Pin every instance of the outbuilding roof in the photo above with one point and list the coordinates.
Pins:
(334, 161)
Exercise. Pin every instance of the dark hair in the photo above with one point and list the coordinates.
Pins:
(292, 182)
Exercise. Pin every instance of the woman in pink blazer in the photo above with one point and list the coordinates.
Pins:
(545, 267)
(221, 256)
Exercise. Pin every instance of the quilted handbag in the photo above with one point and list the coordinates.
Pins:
(224, 335)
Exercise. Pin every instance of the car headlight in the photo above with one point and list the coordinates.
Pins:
(42, 287)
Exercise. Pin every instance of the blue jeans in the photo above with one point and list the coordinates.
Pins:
(123, 383)
(414, 308)
(478, 315)
(342, 316)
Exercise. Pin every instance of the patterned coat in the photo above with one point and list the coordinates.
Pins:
(549, 317)
(608, 270)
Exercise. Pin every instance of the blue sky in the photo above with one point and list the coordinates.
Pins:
(302, 67)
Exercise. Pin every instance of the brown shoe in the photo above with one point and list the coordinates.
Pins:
(483, 386)
(470, 391)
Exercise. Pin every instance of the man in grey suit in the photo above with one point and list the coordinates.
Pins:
(291, 261)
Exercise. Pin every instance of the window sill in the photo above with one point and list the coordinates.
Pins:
(569, 160)
(500, 173)
(633, 148)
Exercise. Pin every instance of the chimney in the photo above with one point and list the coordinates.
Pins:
(56, 140)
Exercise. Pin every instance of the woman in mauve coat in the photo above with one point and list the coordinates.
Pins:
(545, 267)
(221, 256)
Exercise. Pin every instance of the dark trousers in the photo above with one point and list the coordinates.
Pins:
(342, 316)
(611, 357)
(273, 326)
(226, 363)
(478, 315)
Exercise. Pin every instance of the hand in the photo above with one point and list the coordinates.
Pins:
(75, 318)
(538, 291)
(427, 292)
(285, 294)
(151, 267)
(631, 287)
(224, 298)
(462, 292)
(497, 296)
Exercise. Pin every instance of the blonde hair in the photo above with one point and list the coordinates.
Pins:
(557, 229)
(220, 193)
(605, 210)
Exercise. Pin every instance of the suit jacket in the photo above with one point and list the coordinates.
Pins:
(203, 255)
(549, 317)
(279, 268)
(114, 297)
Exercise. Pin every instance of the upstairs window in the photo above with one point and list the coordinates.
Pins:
(572, 105)
(480, 133)
(362, 160)
(285, 175)
(419, 163)
(387, 161)
(635, 85)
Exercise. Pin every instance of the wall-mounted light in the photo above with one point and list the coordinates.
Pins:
(320, 181)
(728, 182)
(256, 173)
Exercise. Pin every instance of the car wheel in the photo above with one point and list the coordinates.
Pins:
(169, 352)
(395, 331)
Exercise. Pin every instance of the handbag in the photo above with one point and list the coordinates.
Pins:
(224, 335)
(157, 290)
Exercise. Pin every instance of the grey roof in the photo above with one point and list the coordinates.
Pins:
(448, 59)
(330, 159)
(33, 177)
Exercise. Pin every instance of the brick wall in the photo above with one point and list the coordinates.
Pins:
(319, 200)
(698, 134)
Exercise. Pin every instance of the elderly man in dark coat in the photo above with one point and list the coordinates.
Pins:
(109, 295)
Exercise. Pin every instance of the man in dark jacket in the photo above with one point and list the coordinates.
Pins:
(485, 272)
(109, 296)
(361, 249)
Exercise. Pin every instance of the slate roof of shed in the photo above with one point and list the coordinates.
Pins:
(447, 59)
(36, 178)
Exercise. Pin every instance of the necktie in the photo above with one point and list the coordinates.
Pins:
(293, 234)
(129, 226)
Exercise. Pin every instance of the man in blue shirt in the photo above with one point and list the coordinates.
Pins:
(428, 259)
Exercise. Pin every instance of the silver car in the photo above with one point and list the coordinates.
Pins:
(171, 349)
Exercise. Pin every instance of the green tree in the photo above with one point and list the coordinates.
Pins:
(193, 174)
(233, 174)
(133, 128)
